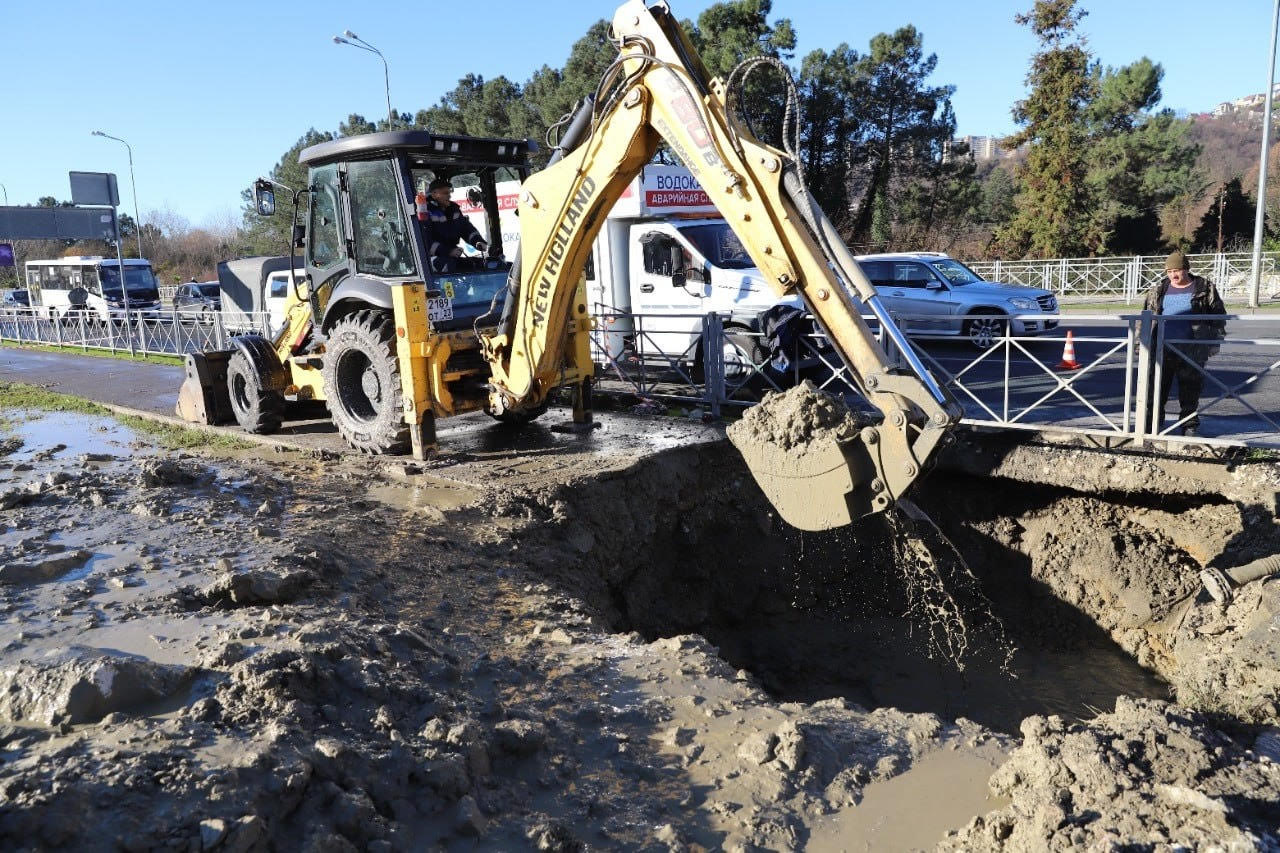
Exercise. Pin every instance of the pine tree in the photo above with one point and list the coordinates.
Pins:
(1053, 194)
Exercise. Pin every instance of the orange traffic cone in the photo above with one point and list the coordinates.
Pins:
(1069, 354)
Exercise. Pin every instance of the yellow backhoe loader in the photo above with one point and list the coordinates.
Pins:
(392, 338)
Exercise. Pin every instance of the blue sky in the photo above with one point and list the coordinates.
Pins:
(209, 94)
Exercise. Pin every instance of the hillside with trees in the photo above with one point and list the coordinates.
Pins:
(1098, 166)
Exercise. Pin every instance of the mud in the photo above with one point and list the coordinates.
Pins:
(796, 444)
(560, 643)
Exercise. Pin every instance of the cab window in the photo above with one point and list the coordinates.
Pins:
(279, 288)
(377, 217)
(324, 247)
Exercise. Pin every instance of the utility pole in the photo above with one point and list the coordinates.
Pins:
(1255, 278)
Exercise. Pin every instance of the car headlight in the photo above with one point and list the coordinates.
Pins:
(1024, 304)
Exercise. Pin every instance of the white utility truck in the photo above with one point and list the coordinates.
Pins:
(663, 215)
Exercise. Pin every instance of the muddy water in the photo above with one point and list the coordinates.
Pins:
(915, 809)
(425, 493)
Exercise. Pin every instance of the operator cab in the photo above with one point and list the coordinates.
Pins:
(363, 231)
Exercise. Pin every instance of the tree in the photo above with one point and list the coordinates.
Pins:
(1228, 221)
(270, 235)
(1052, 187)
(902, 166)
(728, 33)
(829, 87)
(1137, 160)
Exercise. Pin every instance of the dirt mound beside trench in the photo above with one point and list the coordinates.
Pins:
(1147, 773)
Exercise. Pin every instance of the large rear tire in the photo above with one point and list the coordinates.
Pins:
(362, 383)
(258, 409)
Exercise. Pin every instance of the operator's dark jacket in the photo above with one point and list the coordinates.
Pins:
(1204, 300)
(445, 226)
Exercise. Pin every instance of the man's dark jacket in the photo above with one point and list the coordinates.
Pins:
(1204, 300)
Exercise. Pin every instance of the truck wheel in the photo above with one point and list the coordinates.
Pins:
(258, 409)
(741, 352)
(983, 332)
(362, 383)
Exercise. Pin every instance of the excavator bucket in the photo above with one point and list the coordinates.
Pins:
(203, 397)
(818, 486)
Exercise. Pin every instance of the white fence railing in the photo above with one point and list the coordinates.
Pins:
(1018, 383)
(142, 332)
(1127, 279)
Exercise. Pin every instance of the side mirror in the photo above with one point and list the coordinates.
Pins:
(677, 265)
(933, 284)
(299, 235)
(264, 197)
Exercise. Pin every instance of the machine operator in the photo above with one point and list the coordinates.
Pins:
(444, 226)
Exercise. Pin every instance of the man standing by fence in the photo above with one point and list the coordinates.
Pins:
(1184, 356)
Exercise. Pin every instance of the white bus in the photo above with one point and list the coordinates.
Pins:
(92, 283)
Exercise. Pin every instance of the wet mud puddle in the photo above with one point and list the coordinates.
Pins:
(916, 808)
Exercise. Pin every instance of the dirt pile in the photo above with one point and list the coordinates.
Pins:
(1149, 773)
(290, 663)
(794, 419)
(801, 446)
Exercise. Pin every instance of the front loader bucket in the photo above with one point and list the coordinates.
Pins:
(203, 397)
(819, 486)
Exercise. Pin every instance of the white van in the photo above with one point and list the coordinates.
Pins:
(60, 287)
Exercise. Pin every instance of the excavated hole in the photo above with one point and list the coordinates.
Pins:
(814, 616)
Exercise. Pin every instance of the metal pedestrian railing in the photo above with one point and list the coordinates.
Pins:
(713, 364)
(1126, 279)
(1021, 382)
(141, 332)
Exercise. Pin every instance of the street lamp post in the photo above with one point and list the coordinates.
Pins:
(133, 184)
(1255, 278)
(350, 38)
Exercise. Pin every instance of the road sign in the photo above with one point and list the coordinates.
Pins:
(94, 188)
(58, 223)
(6, 254)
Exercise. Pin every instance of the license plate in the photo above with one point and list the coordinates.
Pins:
(439, 309)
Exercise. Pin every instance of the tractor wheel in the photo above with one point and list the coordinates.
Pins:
(258, 409)
(362, 383)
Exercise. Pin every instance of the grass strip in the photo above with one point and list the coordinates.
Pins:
(15, 396)
(173, 360)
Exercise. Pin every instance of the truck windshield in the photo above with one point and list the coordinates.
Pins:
(956, 272)
(138, 278)
(719, 245)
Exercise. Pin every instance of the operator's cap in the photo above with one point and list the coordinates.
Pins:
(1177, 261)
(438, 184)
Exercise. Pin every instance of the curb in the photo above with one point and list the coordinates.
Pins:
(274, 442)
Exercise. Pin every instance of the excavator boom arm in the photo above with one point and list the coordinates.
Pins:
(658, 89)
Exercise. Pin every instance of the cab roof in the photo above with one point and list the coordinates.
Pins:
(421, 145)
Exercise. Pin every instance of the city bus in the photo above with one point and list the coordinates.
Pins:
(91, 283)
